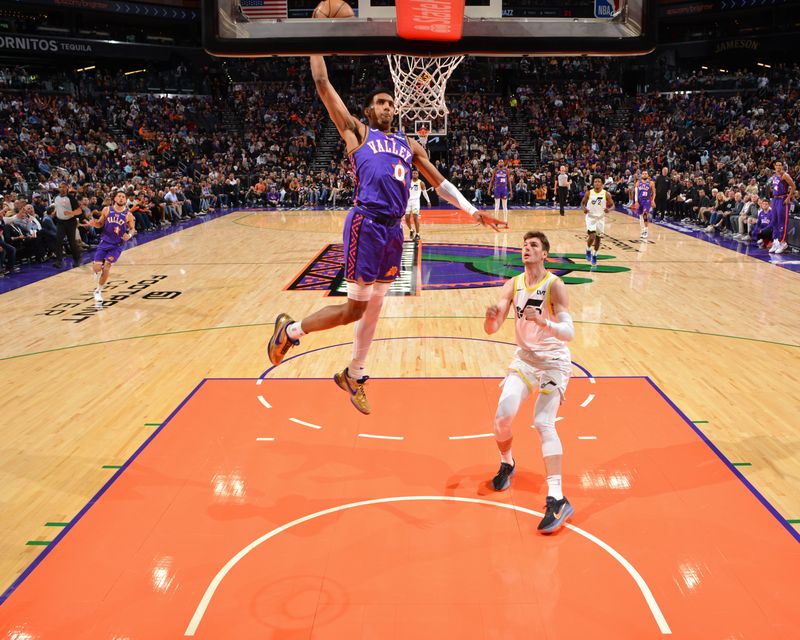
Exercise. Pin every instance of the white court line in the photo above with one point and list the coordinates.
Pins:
(197, 617)
(559, 418)
(592, 380)
(264, 439)
(370, 435)
(260, 380)
(263, 401)
(589, 398)
(305, 424)
(477, 435)
(587, 437)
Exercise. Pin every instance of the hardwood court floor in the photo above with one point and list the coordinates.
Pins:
(716, 330)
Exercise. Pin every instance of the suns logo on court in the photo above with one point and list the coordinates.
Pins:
(448, 266)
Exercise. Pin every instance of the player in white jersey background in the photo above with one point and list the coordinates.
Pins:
(596, 203)
(416, 189)
(542, 361)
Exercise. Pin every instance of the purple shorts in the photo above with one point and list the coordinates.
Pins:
(373, 247)
(107, 253)
(501, 192)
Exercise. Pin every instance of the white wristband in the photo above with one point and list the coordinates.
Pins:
(448, 192)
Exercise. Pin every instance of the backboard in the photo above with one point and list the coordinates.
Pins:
(491, 28)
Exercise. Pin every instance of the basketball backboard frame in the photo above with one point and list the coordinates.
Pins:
(486, 33)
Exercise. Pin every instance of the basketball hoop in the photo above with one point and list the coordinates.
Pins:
(419, 85)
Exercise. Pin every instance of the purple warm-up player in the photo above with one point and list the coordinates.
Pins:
(118, 226)
(782, 190)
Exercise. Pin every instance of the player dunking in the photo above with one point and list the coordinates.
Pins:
(499, 188)
(645, 192)
(118, 226)
(540, 304)
(415, 190)
(373, 233)
(596, 203)
(782, 189)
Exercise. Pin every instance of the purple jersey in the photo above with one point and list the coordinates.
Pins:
(644, 194)
(382, 165)
(116, 225)
(779, 186)
(500, 183)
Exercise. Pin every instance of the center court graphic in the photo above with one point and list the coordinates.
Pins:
(439, 266)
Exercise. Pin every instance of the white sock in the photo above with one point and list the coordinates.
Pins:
(97, 277)
(554, 487)
(507, 457)
(295, 331)
(594, 251)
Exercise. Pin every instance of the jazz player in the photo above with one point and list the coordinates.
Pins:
(118, 226)
(373, 233)
(543, 326)
(596, 203)
(645, 193)
(415, 190)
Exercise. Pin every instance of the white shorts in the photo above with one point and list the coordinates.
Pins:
(412, 208)
(543, 373)
(595, 224)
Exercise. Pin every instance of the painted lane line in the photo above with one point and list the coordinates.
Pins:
(259, 381)
(305, 424)
(559, 418)
(263, 401)
(592, 380)
(477, 435)
(587, 437)
(589, 398)
(371, 435)
(202, 606)
(265, 439)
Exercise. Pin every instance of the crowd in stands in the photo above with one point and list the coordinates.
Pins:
(247, 136)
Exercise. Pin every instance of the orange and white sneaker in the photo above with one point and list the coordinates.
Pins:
(280, 342)
(355, 388)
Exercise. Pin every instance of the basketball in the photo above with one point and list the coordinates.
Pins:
(332, 9)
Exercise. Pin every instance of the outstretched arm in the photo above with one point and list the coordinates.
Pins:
(350, 128)
(443, 187)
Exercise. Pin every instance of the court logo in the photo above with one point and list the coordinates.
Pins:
(448, 266)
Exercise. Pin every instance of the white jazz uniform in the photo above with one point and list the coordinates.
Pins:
(542, 360)
(414, 194)
(596, 216)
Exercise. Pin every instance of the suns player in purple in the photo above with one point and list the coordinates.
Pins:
(644, 194)
(373, 236)
(782, 190)
(499, 188)
(118, 226)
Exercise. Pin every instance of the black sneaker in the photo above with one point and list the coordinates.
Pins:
(557, 512)
(502, 480)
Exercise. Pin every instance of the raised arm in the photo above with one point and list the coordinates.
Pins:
(443, 187)
(497, 313)
(350, 128)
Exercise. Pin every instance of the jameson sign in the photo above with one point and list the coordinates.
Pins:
(47, 46)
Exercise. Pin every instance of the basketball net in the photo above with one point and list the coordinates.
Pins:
(419, 85)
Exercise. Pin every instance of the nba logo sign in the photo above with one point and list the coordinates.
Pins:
(606, 8)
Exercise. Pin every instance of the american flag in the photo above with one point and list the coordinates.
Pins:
(261, 9)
